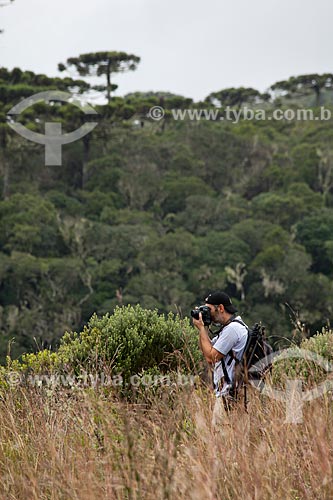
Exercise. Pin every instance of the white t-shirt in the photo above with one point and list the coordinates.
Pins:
(233, 337)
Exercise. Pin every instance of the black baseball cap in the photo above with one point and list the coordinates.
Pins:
(217, 298)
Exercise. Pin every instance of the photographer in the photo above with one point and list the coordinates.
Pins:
(223, 351)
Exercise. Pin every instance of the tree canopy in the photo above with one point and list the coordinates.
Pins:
(160, 213)
(102, 63)
(303, 84)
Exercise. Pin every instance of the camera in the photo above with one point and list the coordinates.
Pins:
(205, 311)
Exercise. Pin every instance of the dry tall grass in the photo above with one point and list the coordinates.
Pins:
(84, 445)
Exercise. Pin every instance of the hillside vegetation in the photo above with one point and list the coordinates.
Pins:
(103, 392)
(158, 213)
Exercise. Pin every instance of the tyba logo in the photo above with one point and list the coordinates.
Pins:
(53, 139)
(293, 395)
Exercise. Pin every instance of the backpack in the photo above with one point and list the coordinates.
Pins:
(252, 367)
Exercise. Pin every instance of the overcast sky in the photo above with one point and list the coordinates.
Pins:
(187, 47)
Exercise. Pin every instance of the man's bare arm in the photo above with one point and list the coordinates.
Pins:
(211, 354)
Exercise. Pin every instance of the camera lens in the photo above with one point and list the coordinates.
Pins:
(195, 313)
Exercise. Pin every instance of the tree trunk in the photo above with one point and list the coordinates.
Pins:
(316, 88)
(108, 89)
(86, 151)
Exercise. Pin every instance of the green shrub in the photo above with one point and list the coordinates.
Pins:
(44, 361)
(306, 369)
(131, 341)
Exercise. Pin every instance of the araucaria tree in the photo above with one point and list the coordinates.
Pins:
(102, 63)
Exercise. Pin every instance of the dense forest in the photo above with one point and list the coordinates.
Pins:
(158, 213)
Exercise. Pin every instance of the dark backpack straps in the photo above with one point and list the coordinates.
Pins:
(240, 322)
(225, 373)
(230, 353)
(227, 323)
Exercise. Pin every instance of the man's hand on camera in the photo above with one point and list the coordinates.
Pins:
(198, 323)
(211, 354)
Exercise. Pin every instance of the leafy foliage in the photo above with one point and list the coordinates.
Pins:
(159, 213)
(131, 341)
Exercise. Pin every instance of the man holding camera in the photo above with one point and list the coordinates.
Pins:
(225, 350)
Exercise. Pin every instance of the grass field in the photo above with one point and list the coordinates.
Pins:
(83, 445)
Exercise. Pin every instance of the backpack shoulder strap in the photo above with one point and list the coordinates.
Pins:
(240, 322)
(225, 373)
(231, 352)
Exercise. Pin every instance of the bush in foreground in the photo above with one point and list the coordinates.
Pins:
(132, 341)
